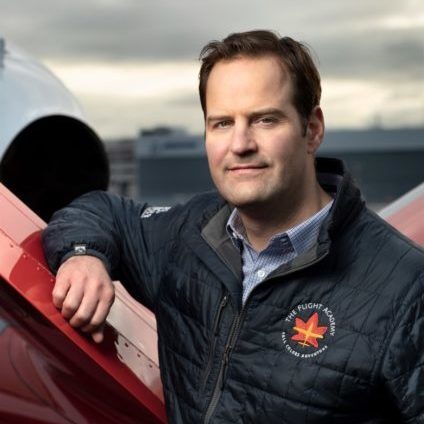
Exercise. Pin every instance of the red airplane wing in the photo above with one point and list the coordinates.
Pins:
(407, 214)
(54, 373)
(51, 373)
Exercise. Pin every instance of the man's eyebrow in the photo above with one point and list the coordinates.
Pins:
(268, 111)
(215, 118)
(256, 114)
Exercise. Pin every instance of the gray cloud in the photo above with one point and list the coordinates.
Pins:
(134, 29)
(373, 55)
(351, 39)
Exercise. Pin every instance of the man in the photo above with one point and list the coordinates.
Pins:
(280, 299)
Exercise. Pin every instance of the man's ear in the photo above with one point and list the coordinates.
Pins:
(315, 130)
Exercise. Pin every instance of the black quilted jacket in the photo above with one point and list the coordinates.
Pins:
(335, 336)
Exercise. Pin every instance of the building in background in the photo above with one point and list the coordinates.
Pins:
(171, 165)
(123, 178)
(167, 165)
(385, 163)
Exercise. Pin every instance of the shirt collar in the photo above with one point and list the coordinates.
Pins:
(302, 236)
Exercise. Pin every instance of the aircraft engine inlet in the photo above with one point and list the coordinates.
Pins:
(48, 153)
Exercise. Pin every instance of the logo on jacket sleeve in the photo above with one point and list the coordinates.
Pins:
(153, 210)
(308, 329)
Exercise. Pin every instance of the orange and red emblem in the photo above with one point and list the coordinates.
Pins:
(309, 332)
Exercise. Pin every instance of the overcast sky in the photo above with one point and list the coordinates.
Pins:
(133, 63)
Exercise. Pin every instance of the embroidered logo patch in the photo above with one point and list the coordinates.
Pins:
(308, 328)
(80, 249)
(152, 210)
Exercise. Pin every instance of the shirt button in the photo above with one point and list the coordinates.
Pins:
(261, 273)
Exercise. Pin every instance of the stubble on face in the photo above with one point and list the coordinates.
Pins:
(254, 136)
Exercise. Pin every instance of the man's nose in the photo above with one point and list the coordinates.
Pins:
(242, 140)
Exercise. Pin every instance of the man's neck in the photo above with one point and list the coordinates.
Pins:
(263, 225)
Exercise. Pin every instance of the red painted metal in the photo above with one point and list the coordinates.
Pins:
(407, 214)
(51, 373)
(47, 366)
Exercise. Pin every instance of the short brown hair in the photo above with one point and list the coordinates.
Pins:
(294, 56)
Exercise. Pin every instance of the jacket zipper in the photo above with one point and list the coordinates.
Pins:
(233, 335)
(212, 344)
(216, 394)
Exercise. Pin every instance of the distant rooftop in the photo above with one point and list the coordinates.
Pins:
(373, 140)
(162, 130)
(170, 141)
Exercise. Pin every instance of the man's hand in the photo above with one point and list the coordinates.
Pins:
(84, 293)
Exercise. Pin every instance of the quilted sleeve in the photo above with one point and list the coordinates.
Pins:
(403, 362)
(110, 227)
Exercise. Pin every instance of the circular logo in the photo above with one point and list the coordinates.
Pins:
(308, 329)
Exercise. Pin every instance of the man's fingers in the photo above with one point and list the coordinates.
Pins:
(67, 275)
(60, 291)
(94, 308)
(85, 312)
(84, 293)
(98, 335)
(73, 300)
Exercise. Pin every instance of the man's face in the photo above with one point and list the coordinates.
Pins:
(257, 151)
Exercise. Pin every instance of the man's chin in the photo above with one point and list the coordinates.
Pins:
(246, 198)
(246, 203)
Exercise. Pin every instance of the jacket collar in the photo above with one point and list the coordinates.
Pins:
(215, 245)
(337, 180)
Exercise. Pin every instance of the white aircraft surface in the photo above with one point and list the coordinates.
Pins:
(48, 152)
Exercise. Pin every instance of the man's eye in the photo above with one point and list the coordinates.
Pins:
(267, 120)
(223, 124)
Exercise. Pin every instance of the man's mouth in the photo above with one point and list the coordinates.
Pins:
(246, 167)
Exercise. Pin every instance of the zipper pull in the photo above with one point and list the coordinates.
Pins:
(222, 306)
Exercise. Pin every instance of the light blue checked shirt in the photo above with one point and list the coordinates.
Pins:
(282, 247)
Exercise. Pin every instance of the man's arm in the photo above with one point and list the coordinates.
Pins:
(403, 362)
(94, 237)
